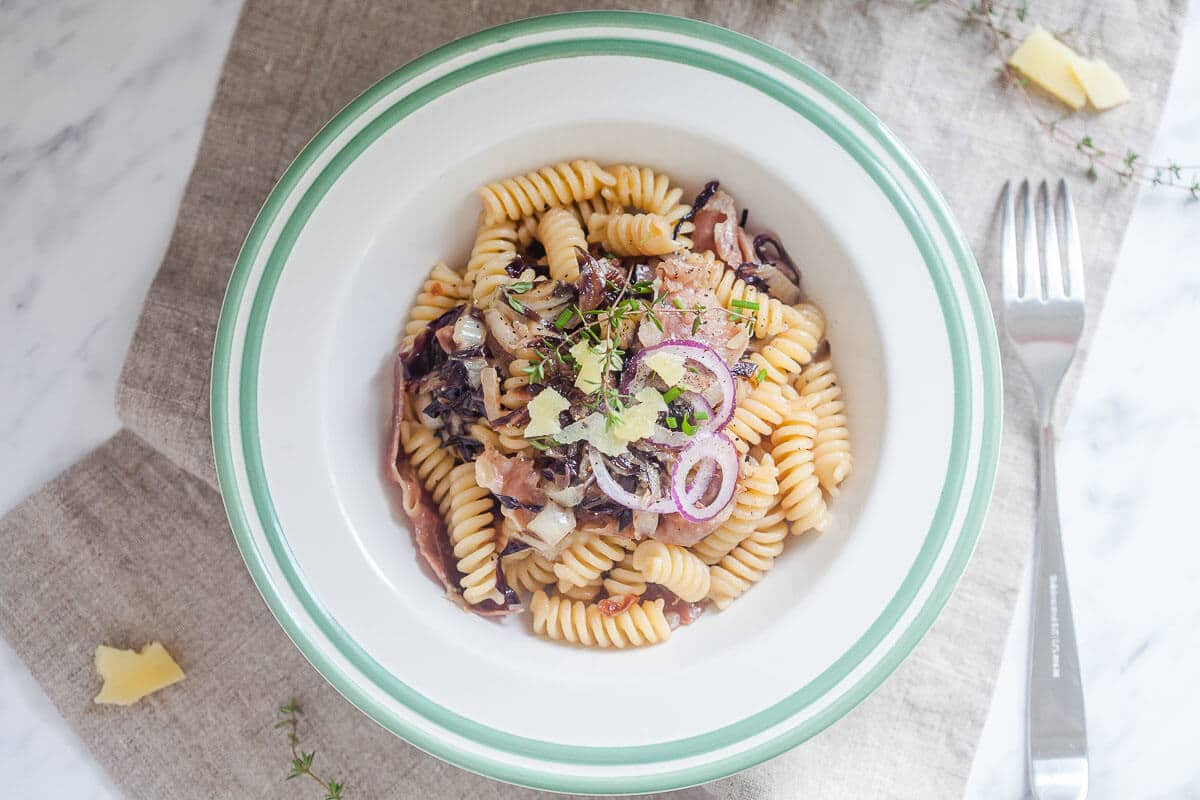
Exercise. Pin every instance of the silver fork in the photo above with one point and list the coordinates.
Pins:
(1043, 312)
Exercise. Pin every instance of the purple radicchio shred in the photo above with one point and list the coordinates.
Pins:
(512, 502)
(516, 267)
(701, 200)
(781, 259)
(518, 417)
(748, 273)
(513, 546)
(561, 465)
(421, 357)
(744, 369)
(597, 277)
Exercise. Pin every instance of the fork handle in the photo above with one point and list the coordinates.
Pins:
(1057, 736)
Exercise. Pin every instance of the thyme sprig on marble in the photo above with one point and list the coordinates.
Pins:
(301, 760)
(998, 20)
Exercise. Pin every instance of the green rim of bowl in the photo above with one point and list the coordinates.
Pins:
(666, 751)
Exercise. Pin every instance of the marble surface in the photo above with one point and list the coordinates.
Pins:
(101, 110)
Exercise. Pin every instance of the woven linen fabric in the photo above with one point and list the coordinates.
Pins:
(132, 544)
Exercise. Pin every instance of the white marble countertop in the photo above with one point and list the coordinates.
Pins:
(101, 110)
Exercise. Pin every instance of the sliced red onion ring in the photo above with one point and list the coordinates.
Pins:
(666, 505)
(686, 349)
(704, 447)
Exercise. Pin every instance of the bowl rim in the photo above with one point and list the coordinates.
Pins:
(245, 380)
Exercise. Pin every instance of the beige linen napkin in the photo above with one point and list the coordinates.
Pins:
(132, 543)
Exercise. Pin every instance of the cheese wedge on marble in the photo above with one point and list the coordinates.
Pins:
(1047, 62)
(1103, 85)
(130, 676)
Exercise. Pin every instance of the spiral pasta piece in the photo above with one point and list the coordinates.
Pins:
(634, 234)
(747, 564)
(757, 413)
(534, 192)
(468, 510)
(767, 315)
(785, 355)
(487, 268)
(587, 557)
(624, 578)
(818, 383)
(527, 570)
(561, 234)
(574, 621)
(443, 290)
(430, 459)
(587, 591)
(674, 567)
(515, 392)
(510, 439)
(757, 493)
(645, 190)
(799, 489)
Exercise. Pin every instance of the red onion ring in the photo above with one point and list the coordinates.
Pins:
(666, 505)
(634, 376)
(704, 446)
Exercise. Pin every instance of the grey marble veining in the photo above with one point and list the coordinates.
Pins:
(101, 109)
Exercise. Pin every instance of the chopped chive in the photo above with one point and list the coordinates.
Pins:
(672, 423)
(539, 445)
(687, 427)
(701, 416)
(671, 394)
(696, 325)
(520, 287)
(761, 375)
(563, 319)
(750, 304)
(516, 305)
(675, 301)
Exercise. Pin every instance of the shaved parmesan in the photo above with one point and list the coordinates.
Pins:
(130, 676)
(543, 413)
(591, 363)
(637, 421)
(1104, 87)
(668, 366)
(1047, 62)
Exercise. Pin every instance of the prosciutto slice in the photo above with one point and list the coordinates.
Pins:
(429, 529)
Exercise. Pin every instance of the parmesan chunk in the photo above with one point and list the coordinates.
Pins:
(130, 676)
(1103, 85)
(543, 413)
(1047, 62)
(591, 365)
(668, 366)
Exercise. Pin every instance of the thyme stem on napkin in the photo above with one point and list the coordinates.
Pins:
(997, 20)
(301, 760)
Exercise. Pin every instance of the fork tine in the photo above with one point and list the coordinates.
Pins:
(1031, 278)
(1009, 285)
(1075, 281)
(1051, 264)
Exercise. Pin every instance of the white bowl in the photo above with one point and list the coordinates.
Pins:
(301, 393)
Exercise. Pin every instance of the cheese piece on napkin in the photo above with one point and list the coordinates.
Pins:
(1047, 62)
(130, 676)
(1103, 85)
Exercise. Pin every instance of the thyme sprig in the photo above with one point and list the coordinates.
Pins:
(998, 20)
(301, 760)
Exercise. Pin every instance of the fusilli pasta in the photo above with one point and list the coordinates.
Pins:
(468, 510)
(443, 290)
(580, 623)
(674, 567)
(799, 490)
(757, 413)
(747, 564)
(645, 190)
(562, 236)
(769, 315)
(587, 557)
(624, 578)
(831, 449)
(786, 354)
(527, 570)
(534, 192)
(495, 248)
(634, 234)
